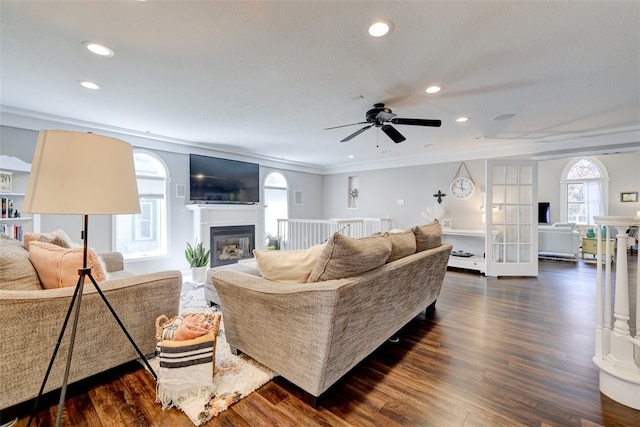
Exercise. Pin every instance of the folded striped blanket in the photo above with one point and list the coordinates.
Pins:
(186, 368)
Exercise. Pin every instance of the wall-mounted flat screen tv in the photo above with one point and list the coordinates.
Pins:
(216, 180)
(544, 213)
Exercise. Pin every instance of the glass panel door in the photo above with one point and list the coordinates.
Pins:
(512, 238)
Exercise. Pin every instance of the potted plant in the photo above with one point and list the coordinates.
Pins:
(198, 258)
(274, 242)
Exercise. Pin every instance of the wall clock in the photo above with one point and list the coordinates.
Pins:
(462, 187)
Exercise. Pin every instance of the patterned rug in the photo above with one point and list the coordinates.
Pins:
(236, 376)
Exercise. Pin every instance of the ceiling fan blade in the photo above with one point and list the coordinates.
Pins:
(356, 133)
(393, 133)
(416, 122)
(343, 126)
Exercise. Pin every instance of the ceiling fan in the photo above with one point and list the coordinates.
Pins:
(379, 115)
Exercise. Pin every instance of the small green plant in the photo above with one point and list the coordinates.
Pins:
(197, 255)
(274, 242)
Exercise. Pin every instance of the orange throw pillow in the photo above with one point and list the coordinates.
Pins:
(58, 267)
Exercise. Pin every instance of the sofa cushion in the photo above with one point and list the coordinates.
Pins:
(571, 225)
(346, 257)
(402, 244)
(428, 236)
(287, 266)
(16, 271)
(57, 237)
(58, 267)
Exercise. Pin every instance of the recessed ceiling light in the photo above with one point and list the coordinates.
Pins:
(428, 145)
(99, 49)
(433, 89)
(481, 137)
(89, 85)
(351, 156)
(505, 117)
(462, 119)
(380, 28)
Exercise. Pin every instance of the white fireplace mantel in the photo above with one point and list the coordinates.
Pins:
(206, 216)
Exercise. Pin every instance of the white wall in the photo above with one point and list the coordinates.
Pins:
(380, 191)
(624, 175)
(326, 196)
(21, 143)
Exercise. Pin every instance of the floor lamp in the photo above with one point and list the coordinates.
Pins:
(81, 173)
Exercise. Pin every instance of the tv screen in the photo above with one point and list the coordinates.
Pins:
(544, 213)
(218, 180)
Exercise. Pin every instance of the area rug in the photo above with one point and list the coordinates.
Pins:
(236, 376)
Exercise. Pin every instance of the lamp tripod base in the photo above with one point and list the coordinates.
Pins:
(76, 301)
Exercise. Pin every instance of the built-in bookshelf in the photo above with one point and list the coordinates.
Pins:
(13, 222)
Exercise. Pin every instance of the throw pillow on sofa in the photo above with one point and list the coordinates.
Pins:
(428, 236)
(287, 266)
(16, 271)
(57, 237)
(58, 267)
(346, 257)
(402, 244)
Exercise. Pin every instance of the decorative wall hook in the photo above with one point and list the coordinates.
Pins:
(439, 195)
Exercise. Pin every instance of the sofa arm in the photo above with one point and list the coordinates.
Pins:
(272, 322)
(113, 261)
(30, 322)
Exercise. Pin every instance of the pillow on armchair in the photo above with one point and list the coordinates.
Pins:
(16, 271)
(57, 237)
(58, 267)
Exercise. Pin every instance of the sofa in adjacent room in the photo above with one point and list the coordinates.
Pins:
(331, 306)
(559, 238)
(31, 318)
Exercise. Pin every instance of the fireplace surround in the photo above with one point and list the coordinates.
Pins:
(229, 244)
(206, 216)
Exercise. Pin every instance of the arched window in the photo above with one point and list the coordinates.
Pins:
(276, 200)
(585, 190)
(145, 235)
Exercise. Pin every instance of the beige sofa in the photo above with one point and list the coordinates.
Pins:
(31, 320)
(314, 333)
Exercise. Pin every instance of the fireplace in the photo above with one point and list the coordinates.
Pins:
(230, 244)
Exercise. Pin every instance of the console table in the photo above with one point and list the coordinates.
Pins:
(590, 246)
(468, 241)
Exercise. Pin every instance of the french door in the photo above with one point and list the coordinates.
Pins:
(511, 243)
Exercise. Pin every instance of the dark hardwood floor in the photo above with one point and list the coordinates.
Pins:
(497, 352)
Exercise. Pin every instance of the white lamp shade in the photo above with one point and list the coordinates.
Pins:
(81, 173)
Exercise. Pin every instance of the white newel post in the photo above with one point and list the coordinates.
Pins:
(615, 347)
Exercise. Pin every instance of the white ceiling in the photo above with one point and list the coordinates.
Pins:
(267, 77)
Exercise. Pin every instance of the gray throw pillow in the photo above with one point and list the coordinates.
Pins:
(346, 257)
(428, 236)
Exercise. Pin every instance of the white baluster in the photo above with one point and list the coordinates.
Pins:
(621, 309)
(614, 352)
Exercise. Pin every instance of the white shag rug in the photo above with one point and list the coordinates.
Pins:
(235, 376)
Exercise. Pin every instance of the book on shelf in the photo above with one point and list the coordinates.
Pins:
(12, 230)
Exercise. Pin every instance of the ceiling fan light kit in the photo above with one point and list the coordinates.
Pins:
(379, 116)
